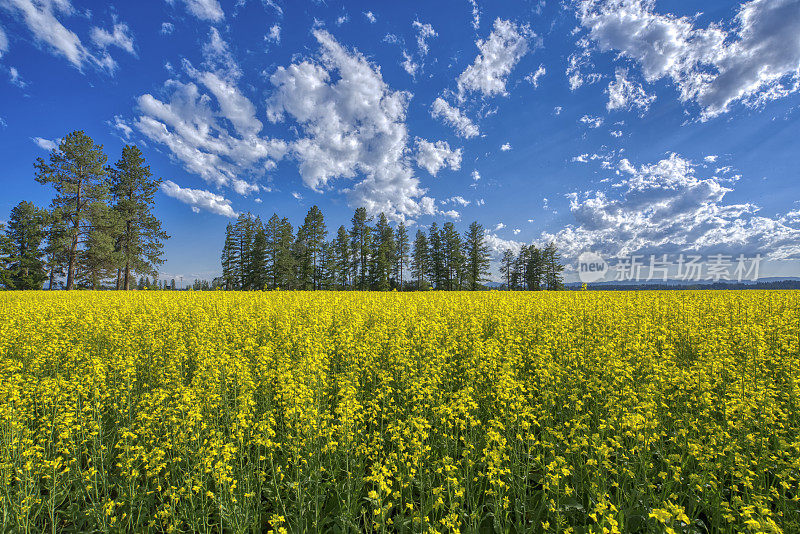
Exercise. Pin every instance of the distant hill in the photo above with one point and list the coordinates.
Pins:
(789, 282)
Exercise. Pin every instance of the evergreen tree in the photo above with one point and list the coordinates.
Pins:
(535, 271)
(360, 238)
(76, 169)
(401, 253)
(5, 259)
(244, 230)
(257, 270)
(507, 266)
(230, 259)
(553, 279)
(477, 256)
(419, 259)
(383, 254)
(453, 257)
(436, 257)
(328, 266)
(272, 235)
(310, 240)
(55, 248)
(343, 258)
(140, 237)
(25, 233)
(284, 265)
(99, 259)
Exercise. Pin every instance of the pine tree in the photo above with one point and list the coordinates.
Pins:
(100, 258)
(230, 259)
(553, 278)
(360, 237)
(284, 265)
(6, 250)
(343, 258)
(436, 257)
(535, 271)
(453, 257)
(383, 254)
(25, 233)
(140, 237)
(310, 239)
(419, 259)
(507, 266)
(76, 169)
(272, 235)
(401, 253)
(477, 254)
(244, 230)
(55, 249)
(257, 271)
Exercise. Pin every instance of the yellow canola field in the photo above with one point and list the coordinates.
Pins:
(420, 412)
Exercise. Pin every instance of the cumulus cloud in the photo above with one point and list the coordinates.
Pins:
(120, 36)
(758, 60)
(199, 199)
(476, 175)
(499, 54)
(167, 28)
(351, 126)
(15, 78)
(45, 144)
(505, 147)
(666, 208)
(454, 117)
(626, 94)
(41, 18)
(370, 17)
(434, 156)
(476, 14)
(204, 9)
(710, 159)
(208, 124)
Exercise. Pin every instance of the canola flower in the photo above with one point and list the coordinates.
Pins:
(389, 412)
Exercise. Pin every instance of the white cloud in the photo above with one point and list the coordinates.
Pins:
(352, 126)
(219, 143)
(274, 35)
(218, 57)
(499, 226)
(476, 176)
(204, 9)
(498, 245)
(297, 196)
(616, 133)
(167, 28)
(434, 156)
(665, 208)
(626, 94)
(452, 214)
(591, 122)
(409, 65)
(370, 17)
(476, 14)
(120, 124)
(45, 144)
(342, 19)
(505, 147)
(756, 61)
(120, 37)
(40, 17)
(454, 117)
(3, 42)
(534, 77)
(461, 201)
(199, 199)
(557, 110)
(15, 78)
(424, 32)
(517, 231)
(583, 158)
(499, 53)
(710, 159)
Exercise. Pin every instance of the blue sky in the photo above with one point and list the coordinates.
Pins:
(621, 127)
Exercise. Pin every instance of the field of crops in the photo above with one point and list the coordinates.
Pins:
(426, 412)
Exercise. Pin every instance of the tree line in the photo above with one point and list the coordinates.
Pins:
(272, 255)
(99, 229)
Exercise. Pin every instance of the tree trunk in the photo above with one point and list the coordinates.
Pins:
(127, 276)
(73, 249)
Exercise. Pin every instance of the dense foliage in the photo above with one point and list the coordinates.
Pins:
(424, 412)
